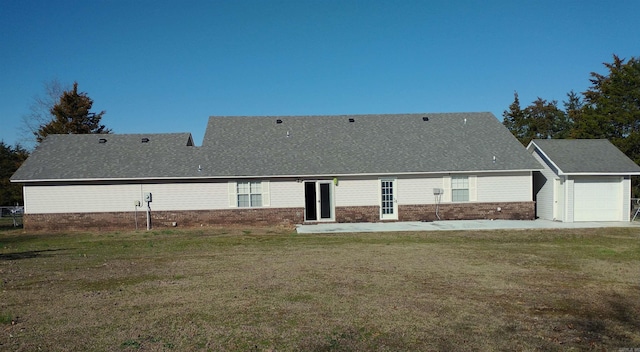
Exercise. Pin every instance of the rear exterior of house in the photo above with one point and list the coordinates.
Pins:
(279, 201)
(283, 170)
(582, 180)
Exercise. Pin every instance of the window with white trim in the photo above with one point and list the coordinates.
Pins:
(459, 188)
(249, 194)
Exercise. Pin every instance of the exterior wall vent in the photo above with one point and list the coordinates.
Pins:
(102, 140)
(145, 140)
(351, 119)
(425, 118)
(278, 121)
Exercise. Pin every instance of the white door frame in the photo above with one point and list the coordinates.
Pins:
(558, 200)
(388, 191)
(324, 208)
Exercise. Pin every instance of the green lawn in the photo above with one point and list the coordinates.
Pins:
(269, 289)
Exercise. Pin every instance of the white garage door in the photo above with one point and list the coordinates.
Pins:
(598, 199)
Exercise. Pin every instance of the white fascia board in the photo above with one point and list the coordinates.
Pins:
(140, 179)
(601, 173)
(537, 148)
(530, 143)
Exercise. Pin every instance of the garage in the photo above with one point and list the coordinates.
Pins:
(597, 199)
(582, 180)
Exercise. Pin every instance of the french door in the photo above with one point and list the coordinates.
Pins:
(388, 201)
(318, 201)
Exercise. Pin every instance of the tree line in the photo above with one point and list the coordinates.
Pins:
(608, 109)
(59, 112)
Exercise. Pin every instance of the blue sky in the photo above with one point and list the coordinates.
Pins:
(165, 66)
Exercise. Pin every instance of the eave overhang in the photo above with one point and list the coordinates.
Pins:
(223, 177)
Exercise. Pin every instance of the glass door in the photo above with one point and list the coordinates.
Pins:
(388, 201)
(318, 201)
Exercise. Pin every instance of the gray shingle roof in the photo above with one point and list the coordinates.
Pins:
(298, 146)
(586, 156)
(71, 157)
(371, 144)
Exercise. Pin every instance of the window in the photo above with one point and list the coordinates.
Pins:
(459, 189)
(249, 194)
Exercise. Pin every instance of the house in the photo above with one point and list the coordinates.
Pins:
(582, 180)
(283, 170)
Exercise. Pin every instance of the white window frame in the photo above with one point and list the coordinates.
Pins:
(450, 186)
(252, 187)
(459, 189)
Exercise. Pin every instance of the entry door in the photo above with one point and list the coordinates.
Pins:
(388, 201)
(558, 200)
(318, 201)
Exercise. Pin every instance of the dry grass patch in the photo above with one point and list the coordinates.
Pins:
(269, 289)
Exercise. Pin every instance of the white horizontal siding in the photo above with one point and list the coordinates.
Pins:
(505, 188)
(287, 194)
(352, 192)
(545, 196)
(417, 190)
(626, 199)
(283, 194)
(80, 198)
(187, 196)
(569, 199)
(108, 198)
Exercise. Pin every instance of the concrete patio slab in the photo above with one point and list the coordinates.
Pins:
(454, 225)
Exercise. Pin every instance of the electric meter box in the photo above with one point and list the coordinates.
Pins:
(147, 197)
(438, 191)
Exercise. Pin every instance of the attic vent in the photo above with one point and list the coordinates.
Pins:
(145, 140)
(278, 121)
(425, 118)
(102, 140)
(351, 119)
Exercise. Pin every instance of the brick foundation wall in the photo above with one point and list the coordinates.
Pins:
(358, 214)
(162, 219)
(270, 216)
(468, 211)
(456, 211)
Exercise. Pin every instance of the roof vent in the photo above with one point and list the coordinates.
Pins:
(145, 140)
(278, 121)
(425, 118)
(102, 140)
(351, 119)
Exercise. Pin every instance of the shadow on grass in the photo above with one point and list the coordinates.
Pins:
(29, 254)
(18, 236)
(9, 227)
(618, 314)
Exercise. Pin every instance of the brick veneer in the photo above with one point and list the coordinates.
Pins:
(358, 214)
(468, 211)
(271, 216)
(162, 219)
